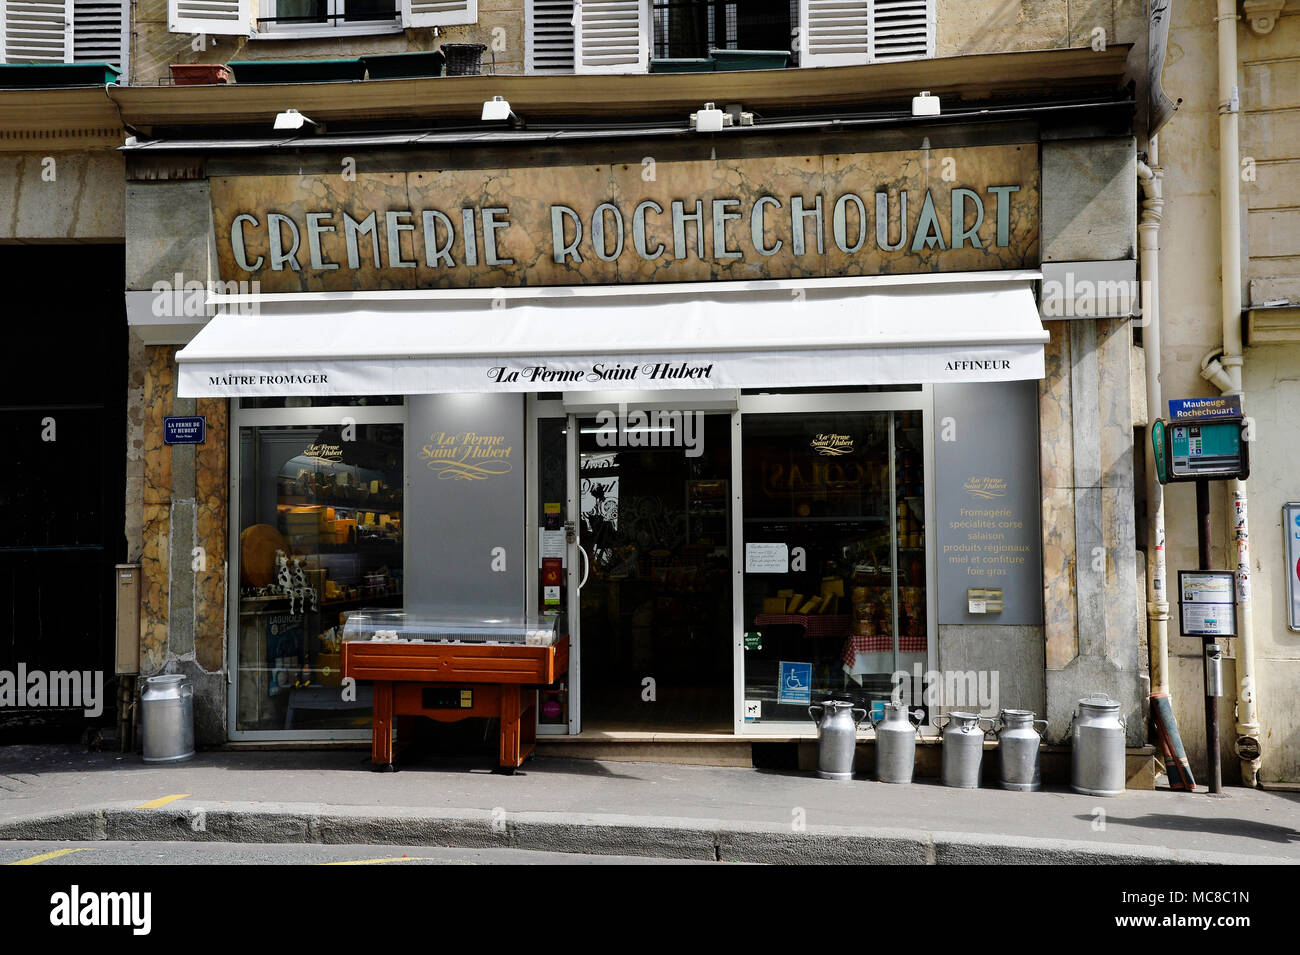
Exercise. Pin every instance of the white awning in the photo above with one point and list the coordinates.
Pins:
(770, 334)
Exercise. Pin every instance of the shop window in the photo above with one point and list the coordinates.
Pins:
(835, 569)
(320, 519)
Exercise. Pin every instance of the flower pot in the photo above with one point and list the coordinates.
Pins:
(393, 66)
(702, 65)
(298, 71)
(199, 74)
(35, 76)
(464, 59)
(729, 60)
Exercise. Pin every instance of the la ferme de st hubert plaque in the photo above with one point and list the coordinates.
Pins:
(963, 209)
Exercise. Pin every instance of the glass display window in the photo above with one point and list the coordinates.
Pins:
(319, 522)
(835, 595)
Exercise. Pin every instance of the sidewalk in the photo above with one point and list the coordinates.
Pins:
(651, 809)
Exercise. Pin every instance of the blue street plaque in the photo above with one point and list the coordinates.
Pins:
(192, 429)
(1223, 407)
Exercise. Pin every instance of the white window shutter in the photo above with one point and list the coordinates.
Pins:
(834, 32)
(38, 31)
(438, 13)
(213, 17)
(611, 36)
(902, 29)
(99, 32)
(548, 36)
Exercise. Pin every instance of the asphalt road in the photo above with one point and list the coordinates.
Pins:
(225, 853)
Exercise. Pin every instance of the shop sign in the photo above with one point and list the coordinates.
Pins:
(1291, 553)
(191, 429)
(987, 504)
(925, 210)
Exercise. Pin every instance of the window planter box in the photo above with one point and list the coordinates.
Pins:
(728, 60)
(393, 66)
(199, 74)
(298, 71)
(45, 75)
(702, 65)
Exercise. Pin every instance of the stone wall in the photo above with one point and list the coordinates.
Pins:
(183, 545)
(68, 196)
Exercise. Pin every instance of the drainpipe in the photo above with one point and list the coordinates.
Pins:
(1150, 178)
(1226, 374)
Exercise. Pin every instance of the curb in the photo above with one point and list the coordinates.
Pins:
(653, 837)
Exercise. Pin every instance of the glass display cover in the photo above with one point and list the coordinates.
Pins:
(396, 626)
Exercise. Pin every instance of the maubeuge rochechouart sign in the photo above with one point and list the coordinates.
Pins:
(964, 209)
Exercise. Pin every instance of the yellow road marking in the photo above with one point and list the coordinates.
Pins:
(159, 803)
(46, 857)
(382, 861)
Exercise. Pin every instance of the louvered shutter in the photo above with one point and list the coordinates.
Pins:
(902, 29)
(548, 36)
(38, 31)
(611, 36)
(214, 17)
(438, 13)
(834, 32)
(99, 31)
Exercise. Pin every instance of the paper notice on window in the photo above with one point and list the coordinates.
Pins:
(767, 559)
(550, 544)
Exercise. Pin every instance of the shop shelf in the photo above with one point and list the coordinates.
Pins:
(393, 66)
(298, 71)
(730, 60)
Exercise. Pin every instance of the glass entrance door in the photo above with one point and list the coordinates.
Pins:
(654, 526)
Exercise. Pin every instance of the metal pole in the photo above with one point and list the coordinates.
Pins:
(1211, 703)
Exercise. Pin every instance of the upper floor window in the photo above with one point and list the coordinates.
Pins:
(318, 15)
(56, 31)
(622, 36)
(313, 17)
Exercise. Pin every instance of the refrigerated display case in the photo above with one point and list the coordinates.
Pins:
(454, 668)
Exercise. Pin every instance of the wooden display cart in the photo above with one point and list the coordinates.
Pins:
(449, 682)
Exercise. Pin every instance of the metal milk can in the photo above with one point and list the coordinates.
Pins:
(1097, 744)
(1018, 745)
(837, 737)
(963, 749)
(895, 744)
(167, 718)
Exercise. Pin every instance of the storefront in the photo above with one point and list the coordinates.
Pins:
(759, 416)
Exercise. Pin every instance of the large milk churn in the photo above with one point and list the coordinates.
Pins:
(837, 737)
(895, 744)
(963, 750)
(167, 717)
(1018, 745)
(1097, 743)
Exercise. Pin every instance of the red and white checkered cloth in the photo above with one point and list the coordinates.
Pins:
(880, 643)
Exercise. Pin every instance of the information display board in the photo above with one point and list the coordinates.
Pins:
(1207, 603)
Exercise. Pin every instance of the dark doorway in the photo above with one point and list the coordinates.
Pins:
(62, 491)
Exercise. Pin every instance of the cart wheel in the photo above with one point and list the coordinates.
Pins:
(384, 768)
(507, 770)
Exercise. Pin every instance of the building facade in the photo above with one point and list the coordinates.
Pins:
(752, 407)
